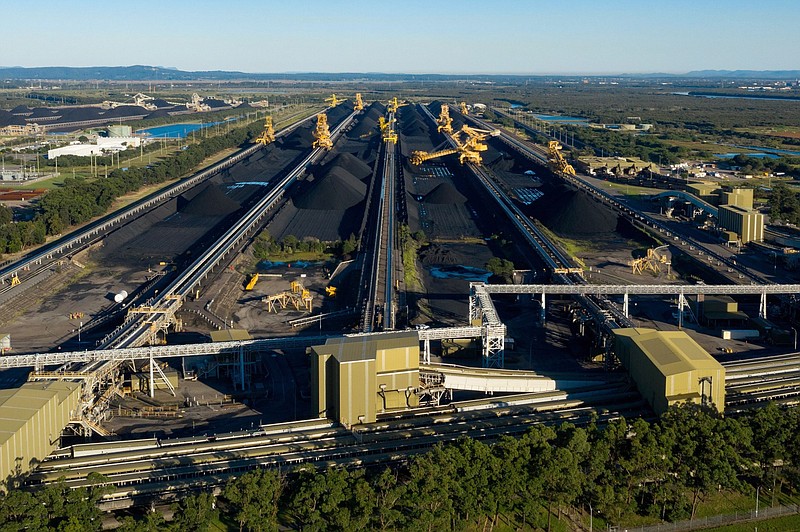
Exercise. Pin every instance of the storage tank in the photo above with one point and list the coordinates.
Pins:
(120, 297)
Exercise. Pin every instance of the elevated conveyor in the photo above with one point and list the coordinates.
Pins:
(492, 380)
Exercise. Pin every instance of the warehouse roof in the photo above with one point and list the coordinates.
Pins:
(358, 348)
(230, 335)
(672, 352)
(19, 405)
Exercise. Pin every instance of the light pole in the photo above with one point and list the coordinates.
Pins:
(757, 490)
(795, 338)
(591, 517)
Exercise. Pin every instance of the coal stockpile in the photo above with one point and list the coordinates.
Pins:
(444, 194)
(338, 189)
(210, 201)
(414, 131)
(351, 164)
(367, 126)
(570, 212)
(436, 254)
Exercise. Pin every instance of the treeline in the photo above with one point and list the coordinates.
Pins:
(78, 200)
(784, 204)
(266, 247)
(624, 471)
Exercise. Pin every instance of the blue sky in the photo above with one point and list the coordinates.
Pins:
(412, 36)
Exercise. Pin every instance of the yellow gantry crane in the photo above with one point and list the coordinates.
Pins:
(445, 122)
(322, 133)
(334, 100)
(359, 105)
(469, 149)
(387, 130)
(557, 161)
(394, 105)
(268, 135)
(464, 110)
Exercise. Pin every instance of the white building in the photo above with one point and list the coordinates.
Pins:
(103, 146)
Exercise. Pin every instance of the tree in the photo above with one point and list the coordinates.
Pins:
(253, 497)
(194, 513)
(501, 268)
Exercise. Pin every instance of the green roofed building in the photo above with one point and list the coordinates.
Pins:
(355, 378)
(32, 418)
(669, 367)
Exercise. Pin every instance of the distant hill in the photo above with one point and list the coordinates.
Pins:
(154, 73)
(745, 74)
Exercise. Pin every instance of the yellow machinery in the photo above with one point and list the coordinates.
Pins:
(464, 110)
(322, 133)
(268, 135)
(252, 283)
(394, 105)
(331, 291)
(359, 105)
(298, 296)
(14, 280)
(557, 161)
(334, 100)
(652, 262)
(387, 129)
(445, 122)
(468, 150)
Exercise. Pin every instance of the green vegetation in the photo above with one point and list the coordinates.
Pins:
(784, 204)
(411, 244)
(692, 463)
(503, 268)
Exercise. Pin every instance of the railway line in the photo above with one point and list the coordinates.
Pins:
(378, 311)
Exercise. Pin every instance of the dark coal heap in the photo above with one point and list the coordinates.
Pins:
(211, 201)
(573, 213)
(337, 190)
(351, 164)
(300, 138)
(443, 194)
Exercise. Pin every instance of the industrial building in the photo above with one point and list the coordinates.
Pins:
(746, 223)
(354, 378)
(103, 146)
(669, 368)
(31, 420)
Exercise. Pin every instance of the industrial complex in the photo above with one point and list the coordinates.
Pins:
(169, 353)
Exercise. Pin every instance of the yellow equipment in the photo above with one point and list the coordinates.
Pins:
(394, 105)
(557, 161)
(359, 105)
(334, 100)
(298, 296)
(652, 262)
(268, 135)
(14, 280)
(252, 283)
(469, 150)
(322, 133)
(387, 130)
(464, 110)
(331, 291)
(445, 122)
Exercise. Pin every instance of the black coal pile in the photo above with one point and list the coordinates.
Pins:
(351, 164)
(300, 138)
(338, 189)
(573, 213)
(158, 113)
(444, 194)
(210, 201)
(366, 127)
